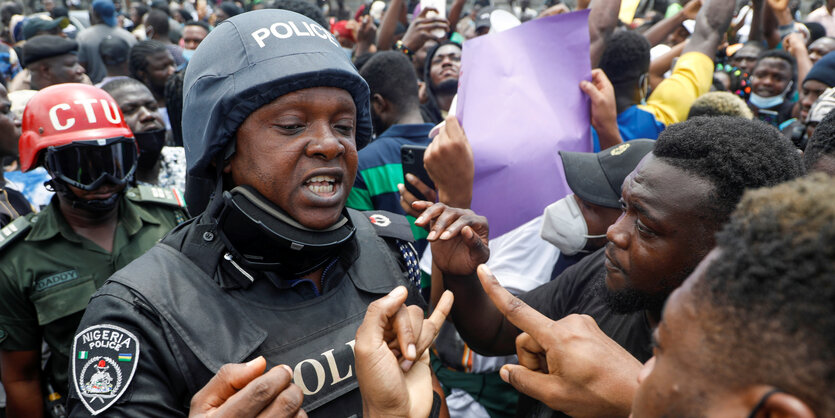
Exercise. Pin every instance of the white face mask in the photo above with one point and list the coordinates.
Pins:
(763, 102)
(563, 226)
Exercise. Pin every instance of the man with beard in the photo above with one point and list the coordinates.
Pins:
(749, 333)
(53, 261)
(673, 203)
(151, 63)
(441, 68)
(771, 81)
(157, 164)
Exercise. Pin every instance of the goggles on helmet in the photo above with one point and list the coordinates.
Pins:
(87, 165)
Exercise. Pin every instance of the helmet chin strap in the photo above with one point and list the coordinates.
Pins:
(95, 205)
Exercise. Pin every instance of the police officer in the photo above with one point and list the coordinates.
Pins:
(275, 266)
(53, 261)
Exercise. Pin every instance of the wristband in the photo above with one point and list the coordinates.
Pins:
(400, 46)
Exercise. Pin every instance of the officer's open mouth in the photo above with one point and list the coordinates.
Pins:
(321, 184)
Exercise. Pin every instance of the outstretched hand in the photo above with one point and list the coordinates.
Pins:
(570, 364)
(389, 386)
(458, 237)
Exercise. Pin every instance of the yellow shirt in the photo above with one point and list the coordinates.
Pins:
(671, 100)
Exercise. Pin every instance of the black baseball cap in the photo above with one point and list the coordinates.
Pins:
(114, 50)
(598, 177)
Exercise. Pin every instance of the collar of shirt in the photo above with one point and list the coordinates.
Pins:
(417, 130)
(50, 222)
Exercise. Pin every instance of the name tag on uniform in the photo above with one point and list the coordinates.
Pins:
(55, 279)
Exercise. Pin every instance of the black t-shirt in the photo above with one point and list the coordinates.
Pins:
(573, 292)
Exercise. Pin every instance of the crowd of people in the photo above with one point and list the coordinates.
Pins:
(225, 209)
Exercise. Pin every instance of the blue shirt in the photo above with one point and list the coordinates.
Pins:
(634, 123)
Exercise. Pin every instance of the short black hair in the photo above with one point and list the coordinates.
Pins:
(139, 54)
(822, 142)
(392, 75)
(199, 23)
(769, 294)
(159, 21)
(303, 8)
(733, 154)
(119, 83)
(626, 57)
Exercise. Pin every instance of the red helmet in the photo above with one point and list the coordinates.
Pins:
(66, 113)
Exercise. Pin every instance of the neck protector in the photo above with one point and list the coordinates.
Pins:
(261, 236)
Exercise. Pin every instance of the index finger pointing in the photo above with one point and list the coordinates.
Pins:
(514, 309)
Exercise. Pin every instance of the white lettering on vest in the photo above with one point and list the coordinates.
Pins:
(320, 376)
(335, 368)
(53, 117)
(88, 108)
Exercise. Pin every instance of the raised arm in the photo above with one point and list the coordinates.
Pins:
(711, 24)
(602, 21)
(659, 31)
(388, 24)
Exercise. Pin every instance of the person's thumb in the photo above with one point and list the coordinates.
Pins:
(229, 380)
(540, 386)
(379, 314)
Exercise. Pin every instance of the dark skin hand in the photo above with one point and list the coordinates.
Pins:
(459, 244)
(711, 23)
(602, 21)
(420, 30)
(244, 390)
(22, 382)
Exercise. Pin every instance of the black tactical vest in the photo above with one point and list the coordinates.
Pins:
(211, 327)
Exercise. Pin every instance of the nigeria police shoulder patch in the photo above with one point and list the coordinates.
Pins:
(103, 363)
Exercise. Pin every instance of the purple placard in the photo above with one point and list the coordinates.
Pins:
(519, 102)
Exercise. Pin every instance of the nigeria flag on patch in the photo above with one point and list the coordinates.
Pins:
(82, 355)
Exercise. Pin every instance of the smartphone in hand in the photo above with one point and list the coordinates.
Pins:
(411, 156)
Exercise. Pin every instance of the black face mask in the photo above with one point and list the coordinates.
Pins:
(263, 237)
(96, 206)
(150, 147)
